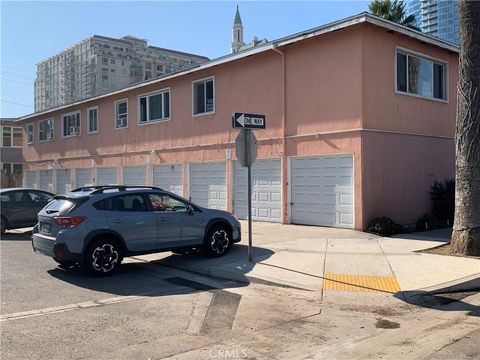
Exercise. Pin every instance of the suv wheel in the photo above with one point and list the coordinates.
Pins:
(103, 257)
(217, 241)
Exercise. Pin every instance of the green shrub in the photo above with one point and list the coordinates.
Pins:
(385, 226)
(443, 201)
(426, 222)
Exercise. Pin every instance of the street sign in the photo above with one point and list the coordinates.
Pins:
(248, 121)
(246, 148)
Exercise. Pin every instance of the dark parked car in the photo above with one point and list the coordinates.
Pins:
(20, 207)
(96, 227)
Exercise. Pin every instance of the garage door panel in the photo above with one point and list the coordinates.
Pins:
(322, 191)
(64, 181)
(31, 178)
(83, 177)
(208, 185)
(169, 177)
(266, 191)
(107, 176)
(135, 175)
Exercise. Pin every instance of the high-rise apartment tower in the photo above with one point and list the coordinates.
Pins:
(101, 64)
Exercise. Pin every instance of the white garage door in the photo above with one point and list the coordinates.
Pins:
(266, 191)
(46, 180)
(168, 177)
(107, 176)
(208, 185)
(322, 191)
(135, 175)
(83, 177)
(30, 179)
(64, 181)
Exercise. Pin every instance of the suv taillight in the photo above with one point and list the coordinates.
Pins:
(69, 221)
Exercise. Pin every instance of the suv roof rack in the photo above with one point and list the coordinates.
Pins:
(100, 189)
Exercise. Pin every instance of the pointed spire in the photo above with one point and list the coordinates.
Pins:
(238, 19)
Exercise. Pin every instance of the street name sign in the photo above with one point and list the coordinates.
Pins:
(248, 121)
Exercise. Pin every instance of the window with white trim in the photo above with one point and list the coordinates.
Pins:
(11, 136)
(121, 114)
(71, 124)
(203, 96)
(45, 130)
(154, 107)
(92, 119)
(29, 133)
(421, 76)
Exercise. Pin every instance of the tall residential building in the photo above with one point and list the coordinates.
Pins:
(438, 18)
(100, 64)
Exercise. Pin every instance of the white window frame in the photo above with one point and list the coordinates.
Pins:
(79, 124)
(116, 115)
(11, 136)
(28, 132)
(148, 95)
(204, 80)
(425, 57)
(88, 120)
(52, 131)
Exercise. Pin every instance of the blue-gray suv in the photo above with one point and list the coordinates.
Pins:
(96, 227)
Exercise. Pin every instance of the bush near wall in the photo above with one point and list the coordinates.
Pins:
(385, 226)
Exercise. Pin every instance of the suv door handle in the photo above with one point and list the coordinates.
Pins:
(116, 221)
(162, 219)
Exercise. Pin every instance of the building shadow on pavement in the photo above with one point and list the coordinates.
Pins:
(162, 276)
(438, 235)
(441, 302)
(17, 236)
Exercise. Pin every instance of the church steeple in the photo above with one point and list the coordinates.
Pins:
(237, 32)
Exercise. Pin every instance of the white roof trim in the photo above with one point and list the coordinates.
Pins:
(341, 24)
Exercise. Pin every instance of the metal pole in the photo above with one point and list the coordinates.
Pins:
(249, 193)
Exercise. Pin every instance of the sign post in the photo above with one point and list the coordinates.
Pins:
(246, 150)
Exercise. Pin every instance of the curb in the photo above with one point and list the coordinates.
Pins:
(471, 282)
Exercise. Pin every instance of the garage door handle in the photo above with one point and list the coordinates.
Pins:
(292, 203)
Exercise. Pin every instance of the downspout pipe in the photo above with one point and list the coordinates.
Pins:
(284, 168)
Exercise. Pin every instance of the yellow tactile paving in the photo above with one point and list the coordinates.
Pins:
(360, 283)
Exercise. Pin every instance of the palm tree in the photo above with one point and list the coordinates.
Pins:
(393, 11)
(466, 228)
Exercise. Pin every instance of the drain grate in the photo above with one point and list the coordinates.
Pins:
(360, 283)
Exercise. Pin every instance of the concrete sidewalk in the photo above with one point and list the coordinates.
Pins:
(318, 259)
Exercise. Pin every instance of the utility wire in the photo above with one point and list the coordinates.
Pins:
(16, 103)
(17, 81)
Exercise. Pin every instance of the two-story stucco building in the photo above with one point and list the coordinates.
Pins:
(360, 122)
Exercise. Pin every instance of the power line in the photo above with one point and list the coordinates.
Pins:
(16, 103)
(14, 73)
(16, 69)
(17, 81)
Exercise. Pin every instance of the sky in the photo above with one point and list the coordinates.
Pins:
(31, 31)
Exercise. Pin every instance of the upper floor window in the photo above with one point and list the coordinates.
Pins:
(93, 119)
(204, 96)
(421, 76)
(121, 114)
(71, 124)
(29, 133)
(11, 136)
(45, 130)
(154, 107)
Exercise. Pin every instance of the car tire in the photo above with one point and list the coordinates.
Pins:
(218, 241)
(103, 257)
(3, 225)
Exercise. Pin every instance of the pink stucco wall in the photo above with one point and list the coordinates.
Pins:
(321, 96)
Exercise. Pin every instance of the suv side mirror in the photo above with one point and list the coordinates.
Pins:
(190, 209)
